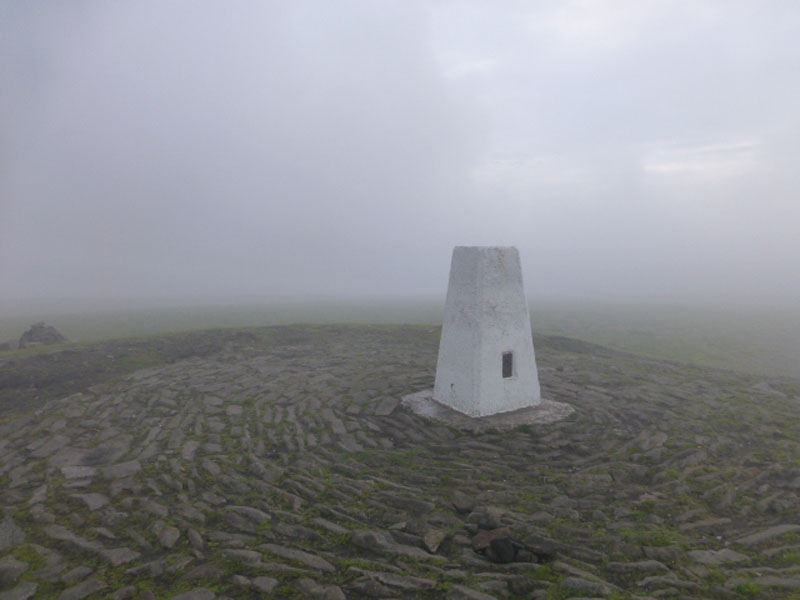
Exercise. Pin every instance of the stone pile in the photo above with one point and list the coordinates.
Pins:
(283, 467)
(40, 334)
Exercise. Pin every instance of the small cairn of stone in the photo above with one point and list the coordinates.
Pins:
(40, 334)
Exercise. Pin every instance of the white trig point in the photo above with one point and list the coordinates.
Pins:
(486, 363)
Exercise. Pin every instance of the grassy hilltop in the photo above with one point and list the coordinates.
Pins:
(750, 340)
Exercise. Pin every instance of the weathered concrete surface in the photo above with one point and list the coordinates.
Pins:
(546, 411)
(485, 317)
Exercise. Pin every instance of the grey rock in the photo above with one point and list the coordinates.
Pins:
(487, 517)
(766, 534)
(269, 474)
(189, 449)
(24, 591)
(255, 515)
(196, 594)
(434, 538)
(246, 556)
(460, 592)
(78, 472)
(284, 569)
(103, 532)
(495, 588)
(138, 538)
(154, 568)
(207, 570)
(93, 501)
(156, 508)
(263, 584)
(51, 557)
(667, 553)
(584, 587)
(311, 589)
(61, 533)
(41, 516)
(310, 560)
(484, 538)
(168, 536)
(11, 534)
(396, 581)
(195, 539)
(39, 495)
(11, 569)
(333, 592)
(641, 566)
(386, 406)
(503, 550)
(670, 580)
(329, 526)
(40, 334)
(298, 533)
(82, 590)
(69, 457)
(717, 557)
(792, 583)
(122, 470)
(118, 556)
(76, 574)
(413, 506)
(212, 467)
(52, 445)
(369, 588)
(126, 593)
(379, 542)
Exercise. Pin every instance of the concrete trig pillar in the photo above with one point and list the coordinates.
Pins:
(486, 362)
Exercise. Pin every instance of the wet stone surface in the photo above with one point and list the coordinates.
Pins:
(283, 465)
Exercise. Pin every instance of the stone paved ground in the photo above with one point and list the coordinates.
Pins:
(282, 466)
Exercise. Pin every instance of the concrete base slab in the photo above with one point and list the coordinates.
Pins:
(547, 411)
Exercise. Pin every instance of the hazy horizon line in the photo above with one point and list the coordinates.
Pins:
(15, 307)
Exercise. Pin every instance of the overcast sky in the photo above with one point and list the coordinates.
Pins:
(630, 150)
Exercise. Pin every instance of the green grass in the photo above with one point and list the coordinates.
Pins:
(763, 341)
(27, 554)
(753, 340)
(92, 325)
(748, 590)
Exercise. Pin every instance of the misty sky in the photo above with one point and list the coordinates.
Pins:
(630, 150)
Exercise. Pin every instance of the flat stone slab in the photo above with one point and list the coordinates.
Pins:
(11, 534)
(386, 407)
(93, 501)
(766, 534)
(126, 469)
(717, 557)
(311, 560)
(11, 569)
(24, 591)
(196, 594)
(82, 590)
(78, 472)
(547, 411)
(53, 444)
(168, 536)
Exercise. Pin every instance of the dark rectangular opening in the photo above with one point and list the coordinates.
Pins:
(508, 364)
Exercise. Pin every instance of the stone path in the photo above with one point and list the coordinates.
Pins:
(283, 466)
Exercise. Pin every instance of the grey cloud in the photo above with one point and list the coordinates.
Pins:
(246, 148)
